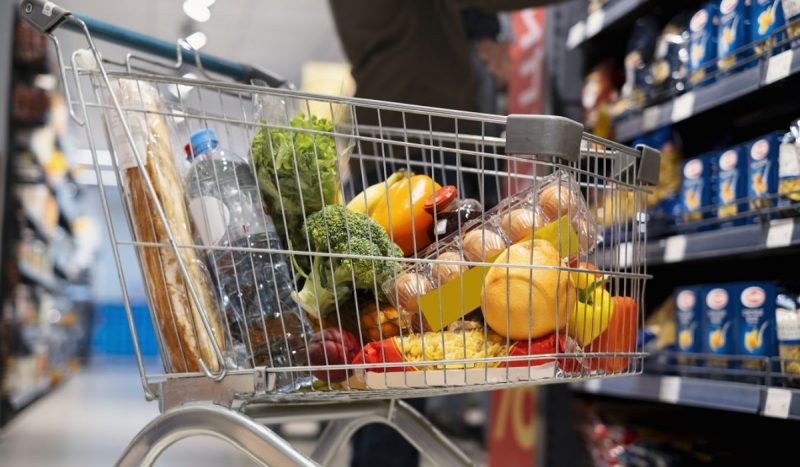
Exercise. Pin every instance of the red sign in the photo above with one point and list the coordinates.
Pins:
(512, 428)
(526, 78)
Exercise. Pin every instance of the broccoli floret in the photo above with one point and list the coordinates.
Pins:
(337, 230)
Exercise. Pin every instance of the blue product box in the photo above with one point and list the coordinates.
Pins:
(703, 42)
(719, 324)
(766, 16)
(763, 155)
(688, 319)
(730, 187)
(756, 330)
(697, 181)
(733, 33)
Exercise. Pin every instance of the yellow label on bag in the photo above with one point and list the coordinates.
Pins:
(461, 295)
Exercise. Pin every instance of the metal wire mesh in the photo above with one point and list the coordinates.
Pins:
(383, 297)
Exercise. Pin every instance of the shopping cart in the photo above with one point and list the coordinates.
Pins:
(537, 279)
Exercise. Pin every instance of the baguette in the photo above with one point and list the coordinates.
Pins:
(184, 339)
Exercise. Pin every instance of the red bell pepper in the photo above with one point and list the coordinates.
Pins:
(545, 345)
(380, 352)
(620, 336)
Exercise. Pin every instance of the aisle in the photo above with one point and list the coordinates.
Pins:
(89, 421)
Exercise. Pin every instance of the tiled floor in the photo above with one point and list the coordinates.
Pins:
(89, 421)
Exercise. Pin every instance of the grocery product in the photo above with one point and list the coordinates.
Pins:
(688, 319)
(703, 42)
(448, 213)
(766, 17)
(366, 201)
(670, 68)
(522, 303)
(669, 182)
(755, 330)
(787, 320)
(482, 245)
(591, 314)
(638, 56)
(175, 311)
(408, 288)
(442, 273)
(719, 324)
(696, 188)
(791, 14)
(789, 170)
(378, 323)
(730, 185)
(297, 172)
(599, 93)
(402, 212)
(619, 336)
(331, 280)
(558, 198)
(255, 288)
(332, 346)
(733, 32)
(521, 223)
(762, 173)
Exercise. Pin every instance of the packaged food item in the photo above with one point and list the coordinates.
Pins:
(482, 245)
(639, 55)
(669, 183)
(789, 171)
(448, 213)
(755, 334)
(733, 33)
(787, 317)
(730, 188)
(703, 43)
(670, 67)
(521, 223)
(178, 317)
(719, 324)
(688, 319)
(696, 187)
(379, 323)
(762, 173)
(408, 288)
(562, 197)
(791, 14)
(442, 273)
(599, 93)
(766, 17)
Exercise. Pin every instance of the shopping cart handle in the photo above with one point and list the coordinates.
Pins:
(47, 16)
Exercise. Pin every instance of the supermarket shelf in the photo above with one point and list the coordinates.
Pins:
(21, 400)
(697, 392)
(37, 227)
(601, 20)
(724, 90)
(779, 233)
(37, 277)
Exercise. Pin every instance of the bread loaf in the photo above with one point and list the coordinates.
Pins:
(184, 339)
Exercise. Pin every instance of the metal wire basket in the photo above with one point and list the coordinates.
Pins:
(358, 249)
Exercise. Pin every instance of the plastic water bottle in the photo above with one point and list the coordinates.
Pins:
(255, 288)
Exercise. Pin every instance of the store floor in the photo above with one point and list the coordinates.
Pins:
(90, 419)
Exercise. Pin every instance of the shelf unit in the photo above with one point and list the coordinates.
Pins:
(602, 19)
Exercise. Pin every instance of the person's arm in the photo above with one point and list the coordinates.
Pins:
(504, 5)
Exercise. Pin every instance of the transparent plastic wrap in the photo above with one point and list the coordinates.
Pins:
(178, 317)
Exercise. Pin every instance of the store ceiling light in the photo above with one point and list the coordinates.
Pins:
(197, 10)
(197, 40)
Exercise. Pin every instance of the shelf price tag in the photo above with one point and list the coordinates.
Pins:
(780, 233)
(625, 254)
(670, 389)
(675, 249)
(576, 34)
(778, 403)
(594, 23)
(650, 118)
(682, 107)
(592, 385)
(779, 67)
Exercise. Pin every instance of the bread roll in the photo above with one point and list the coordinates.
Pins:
(184, 339)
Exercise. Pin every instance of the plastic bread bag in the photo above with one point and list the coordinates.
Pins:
(177, 315)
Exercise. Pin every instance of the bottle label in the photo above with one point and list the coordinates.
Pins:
(211, 218)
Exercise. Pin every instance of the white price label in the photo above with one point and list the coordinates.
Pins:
(650, 118)
(670, 389)
(594, 23)
(780, 233)
(47, 8)
(675, 249)
(592, 385)
(682, 107)
(791, 8)
(779, 67)
(575, 35)
(625, 254)
(778, 403)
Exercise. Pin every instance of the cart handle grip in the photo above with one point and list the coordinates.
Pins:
(47, 16)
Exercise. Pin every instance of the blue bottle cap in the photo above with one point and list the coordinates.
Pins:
(202, 141)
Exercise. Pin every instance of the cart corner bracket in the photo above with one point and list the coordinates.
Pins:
(44, 16)
(649, 165)
(543, 135)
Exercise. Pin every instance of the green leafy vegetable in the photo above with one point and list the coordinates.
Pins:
(297, 171)
(335, 229)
